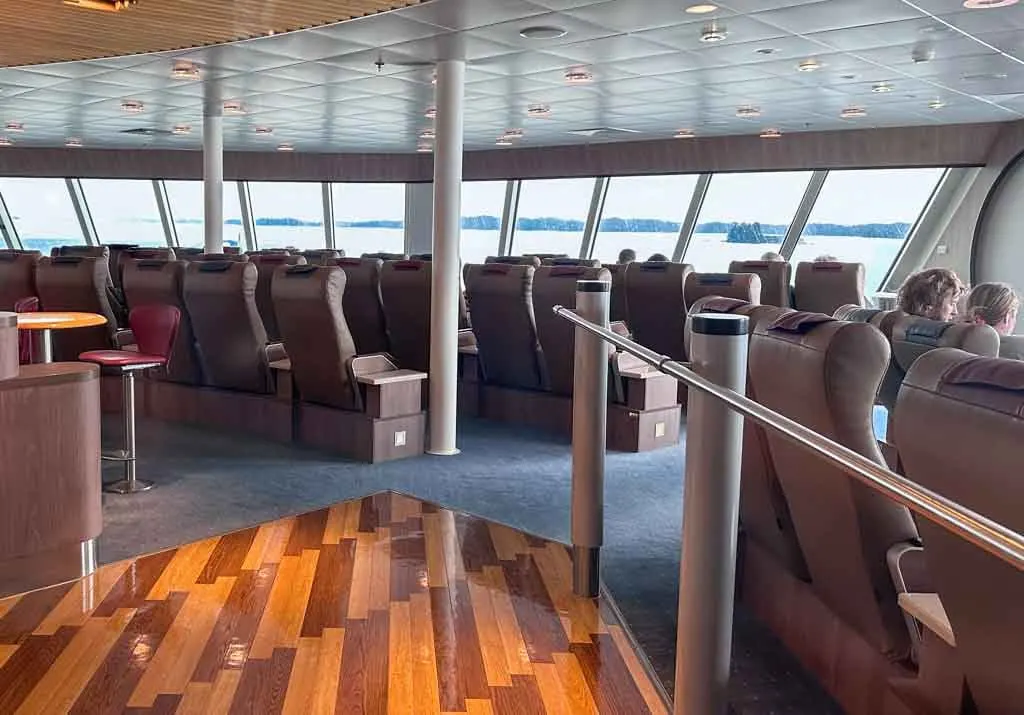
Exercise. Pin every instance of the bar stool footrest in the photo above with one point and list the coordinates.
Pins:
(116, 455)
(128, 486)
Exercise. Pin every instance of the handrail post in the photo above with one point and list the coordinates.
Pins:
(589, 425)
(707, 571)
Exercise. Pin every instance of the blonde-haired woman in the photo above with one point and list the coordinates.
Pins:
(997, 304)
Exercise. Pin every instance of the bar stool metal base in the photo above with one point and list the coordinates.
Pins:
(128, 486)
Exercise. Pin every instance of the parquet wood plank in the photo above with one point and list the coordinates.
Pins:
(264, 684)
(225, 685)
(196, 700)
(380, 573)
(437, 575)
(308, 532)
(328, 671)
(556, 701)
(184, 569)
(334, 530)
(228, 556)
(643, 681)
(491, 646)
(7, 604)
(78, 604)
(424, 665)
(350, 528)
(479, 707)
(28, 664)
(269, 545)
(400, 666)
(29, 611)
(507, 541)
(359, 596)
(283, 617)
(302, 682)
(516, 655)
(131, 590)
(574, 684)
(6, 651)
(328, 599)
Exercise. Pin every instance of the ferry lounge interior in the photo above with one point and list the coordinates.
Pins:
(510, 357)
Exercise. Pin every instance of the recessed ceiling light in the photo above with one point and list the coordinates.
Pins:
(427, 134)
(184, 70)
(234, 107)
(882, 87)
(431, 113)
(543, 32)
(14, 127)
(713, 32)
(987, 4)
(936, 104)
(181, 129)
(5, 141)
(512, 134)
(702, 9)
(808, 65)
(263, 131)
(578, 75)
(684, 134)
(286, 147)
(765, 51)
(770, 134)
(748, 112)
(538, 110)
(853, 113)
(424, 148)
(73, 142)
(503, 141)
(132, 106)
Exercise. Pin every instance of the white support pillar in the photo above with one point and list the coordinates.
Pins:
(213, 170)
(446, 264)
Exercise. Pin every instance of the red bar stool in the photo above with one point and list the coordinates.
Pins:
(155, 328)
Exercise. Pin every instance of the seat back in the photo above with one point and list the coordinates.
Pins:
(309, 301)
(83, 251)
(117, 263)
(187, 254)
(322, 256)
(824, 373)
(405, 294)
(823, 286)
(884, 320)
(17, 277)
(500, 297)
(221, 299)
(116, 250)
(585, 262)
(266, 264)
(364, 311)
(386, 256)
(618, 308)
(221, 257)
(776, 280)
(556, 285)
(76, 283)
(744, 286)
(160, 282)
(421, 257)
(657, 305)
(155, 328)
(959, 427)
(913, 336)
(514, 260)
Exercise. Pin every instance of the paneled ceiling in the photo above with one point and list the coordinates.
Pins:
(365, 84)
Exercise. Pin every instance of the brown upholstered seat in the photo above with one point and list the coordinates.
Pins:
(744, 286)
(618, 309)
(824, 373)
(657, 306)
(959, 430)
(83, 251)
(823, 286)
(556, 285)
(585, 262)
(117, 262)
(309, 301)
(501, 299)
(221, 300)
(116, 250)
(515, 260)
(322, 256)
(884, 320)
(776, 280)
(266, 264)
(236, 257)
(364, 310)
(160, 282)
(405, 294)
(17, 277)
(77, 283)
(384, 256)
(187, 254)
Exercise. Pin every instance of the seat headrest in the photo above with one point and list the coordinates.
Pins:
(718, 304)
(572, 270)
(496, 268)
(987, 372)
(300, 270)
(121, 246)
(856, 314)
(714, 279)
(925, 331)
(656, 267)
(753, 264)
(826, 266)
(800, 321)
(214, 266)
(67, 260)
(151, 264)
(409, 265)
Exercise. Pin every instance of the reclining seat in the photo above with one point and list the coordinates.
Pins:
(117, 263)
(776, 280)
(618, 310)
(266, 264)
(501, 299)
(322, 256)
(160, 282)
(960, 424)
(743, 286)
(187, 254)
(585, 262)
(114, 295)
(515, 260)
(17, 277)
(221, 300)
(79, 284)
(221, 257)
(824, 374)
(764, 512)
(405, 294)
(364, 310)
(386, 256)
(884, 320)
(821, 287)
(657, 306)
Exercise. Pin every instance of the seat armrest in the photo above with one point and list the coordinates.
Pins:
(123, 338)
(390, 377)
(909, 572)
(466, 338)
(284, 365)
(372, 364)
(620, 328)
(927, 609)
(275, 352)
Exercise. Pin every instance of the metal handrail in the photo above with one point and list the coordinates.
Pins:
(981, 531)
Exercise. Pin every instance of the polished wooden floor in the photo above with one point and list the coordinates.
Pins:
(380, 605)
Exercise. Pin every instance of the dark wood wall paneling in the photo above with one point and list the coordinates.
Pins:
(947, 145)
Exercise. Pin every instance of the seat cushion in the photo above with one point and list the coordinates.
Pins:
(121, 358)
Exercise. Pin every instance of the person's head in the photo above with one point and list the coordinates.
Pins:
(826, 258)
(931, 294)
(627, 255)
(771, 256)
(994, 304)
(658, 258)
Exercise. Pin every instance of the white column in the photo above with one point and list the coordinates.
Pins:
(213, 170)
(444, 305)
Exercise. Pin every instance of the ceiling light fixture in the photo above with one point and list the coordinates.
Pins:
(684, 134)
(578, 75)
(431, 113)
(853, 113)
(512, 134)
(5, 141)
(882, 87)
(808, 65)
(770, 134)
(286, 147)
(987, 4)
(713, 32)
(427, 134)
(73, 142)
(184, 70)
(748, 112)
(701, 9)
(234, 108)
(104, 5)
(503, 141)
(132, 106)
(14, 127)
(181, 130)
(264, 131)
(424, 148)
(538, 111)
(543, 32)
(936, 104)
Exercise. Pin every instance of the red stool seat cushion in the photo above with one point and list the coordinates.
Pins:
(121, 358)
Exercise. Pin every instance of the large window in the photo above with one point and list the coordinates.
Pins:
(483, 203)
(288, 214)
(864, 216)
(42, 212)
(186, 204)
(643, 213)
(743, 216)
(552, 214)
(124, 211)
(369, 218)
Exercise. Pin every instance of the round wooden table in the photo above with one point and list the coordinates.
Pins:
(44, 322)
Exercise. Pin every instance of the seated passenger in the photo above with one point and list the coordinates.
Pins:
(826, 258)
(658, 258)
(771, 256)
(932, 293)
(997, 304)
(626, 255)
